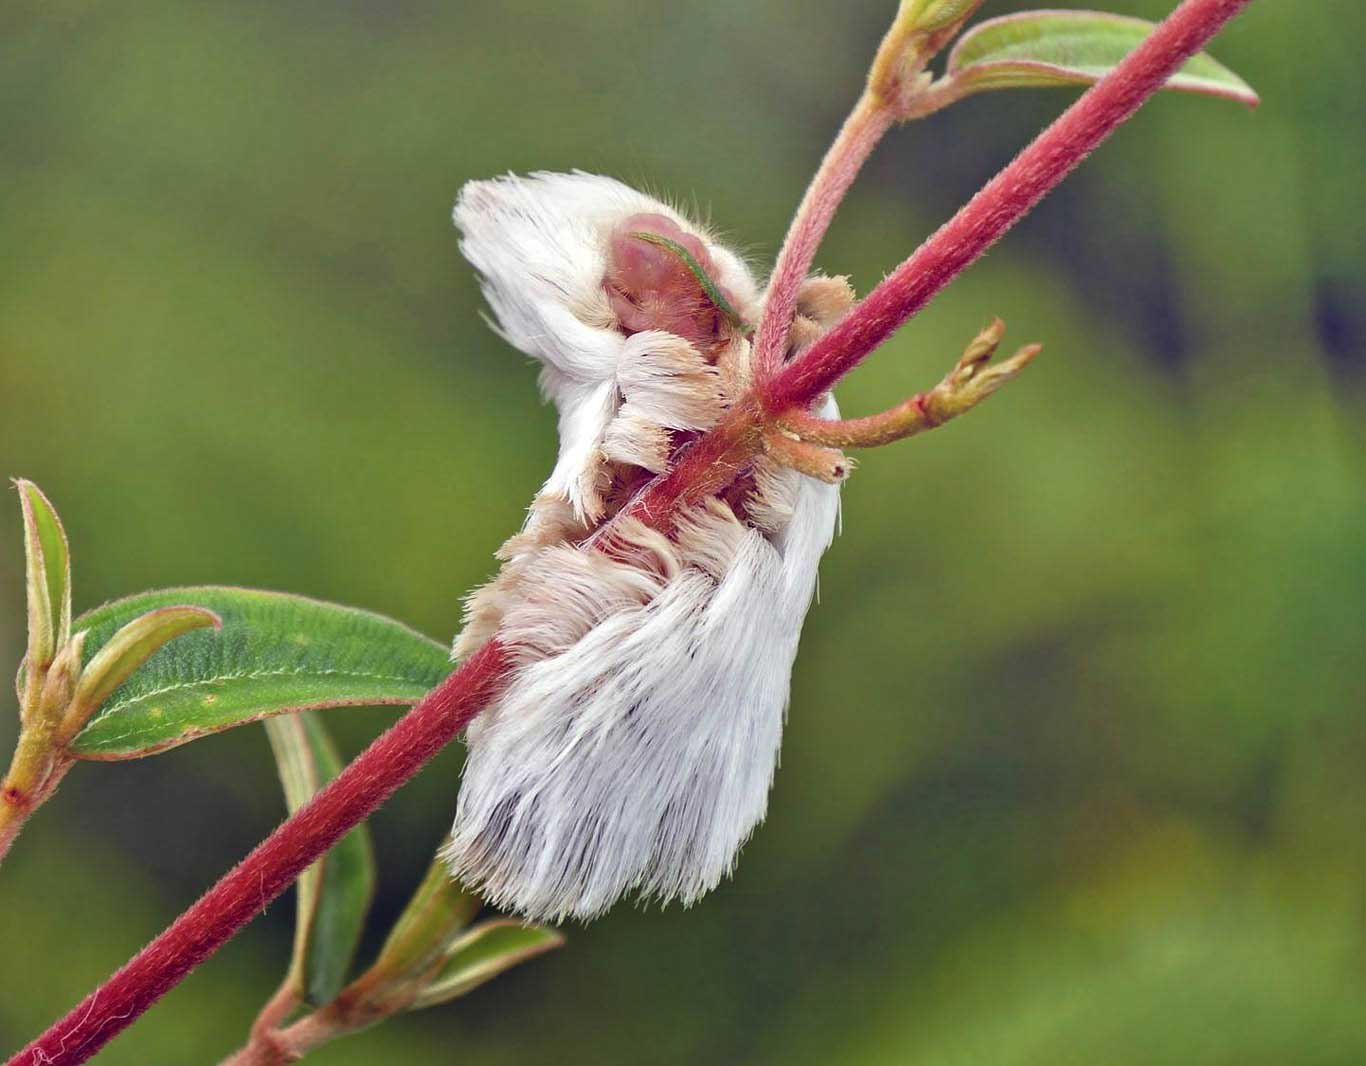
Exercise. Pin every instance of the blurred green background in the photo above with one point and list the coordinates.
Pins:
(1074, 770)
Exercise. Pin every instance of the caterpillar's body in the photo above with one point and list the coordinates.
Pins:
(636, 743)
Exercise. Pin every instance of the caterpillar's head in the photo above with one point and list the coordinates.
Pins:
(661, 277)
(573, 265)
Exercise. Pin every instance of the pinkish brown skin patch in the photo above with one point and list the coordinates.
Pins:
(650, 287)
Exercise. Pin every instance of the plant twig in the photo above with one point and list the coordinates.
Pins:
(34, 773)
(895, 82)
(862, 130)
(262, 1042)
(971, 381)
(709, 464)
(714, 460)
(277, 1047)
(1003, 201)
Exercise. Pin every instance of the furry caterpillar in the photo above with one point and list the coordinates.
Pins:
(634, 748)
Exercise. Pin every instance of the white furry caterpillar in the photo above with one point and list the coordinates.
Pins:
(636, 743)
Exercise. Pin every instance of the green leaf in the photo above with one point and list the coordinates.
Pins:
(334, 893)
(439, 909)
(1046, 48)
(48, 569)
(482, 954)
(128, 649)
(275, 653)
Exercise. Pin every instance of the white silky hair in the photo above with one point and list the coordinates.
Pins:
(540, 244)
(636, 743)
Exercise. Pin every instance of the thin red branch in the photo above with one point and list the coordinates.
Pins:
(710, 464)
(1004, 200)
(861, 132)
(246, 890)
(713, 460)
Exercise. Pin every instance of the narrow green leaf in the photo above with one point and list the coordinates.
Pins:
(59, 684)
(487, 950)
(48, 568)
(334, 893)
(1047, 48)
(438, 911)
(275, 653)
(135, 643)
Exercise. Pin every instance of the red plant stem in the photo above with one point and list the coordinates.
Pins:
(246, 890)
(709, 464)
(858, 137)
(713, 460)
(1002, 202)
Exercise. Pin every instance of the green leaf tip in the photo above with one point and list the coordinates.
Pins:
(275, 653)
(1034, 49)
(335, 893)
(437, 912)
(47, 560)
(487, 950)
(929, 16)
(129, 648)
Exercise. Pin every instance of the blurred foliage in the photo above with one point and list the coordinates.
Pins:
(1074, 767)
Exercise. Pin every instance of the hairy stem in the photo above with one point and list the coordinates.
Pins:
(1004, 200)
(275, 1043)
(34, 773)
(264, 1048)
(12, 819)
(710, 463)
(895, 79)
(715, 459)
(353, 1010)
(263, 1045)
(970, 382)
(862, 130)
(290, 1044)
